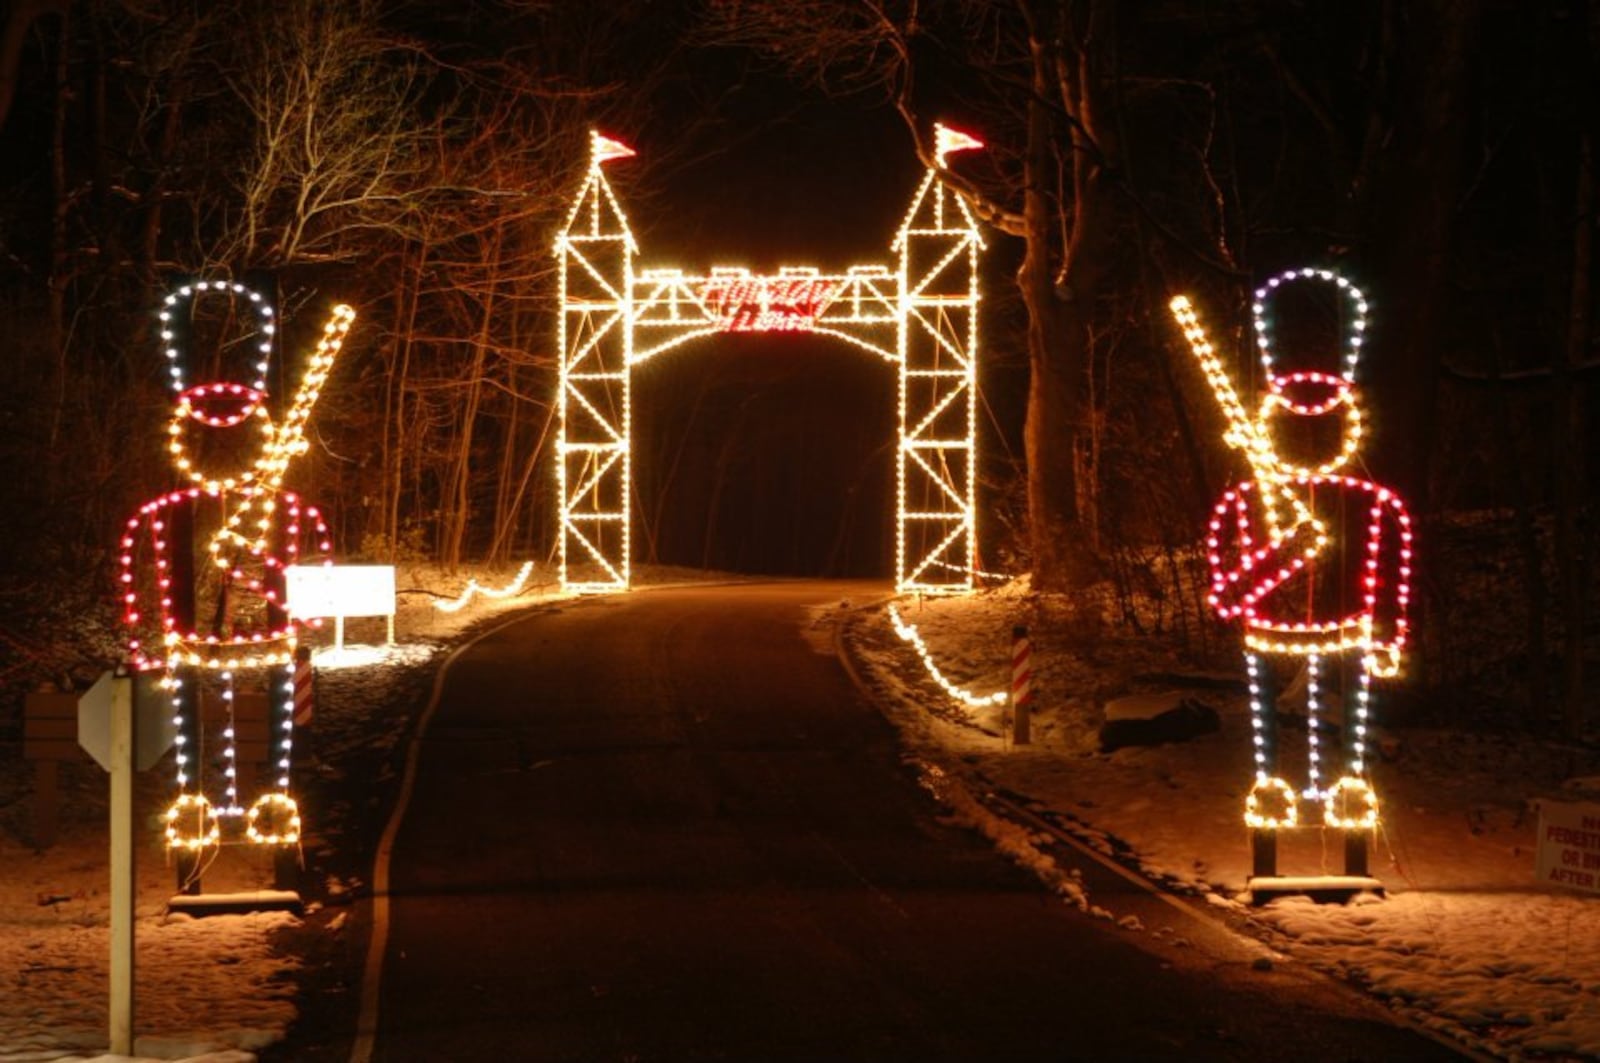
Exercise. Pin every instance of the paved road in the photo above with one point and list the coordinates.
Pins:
(665, 826)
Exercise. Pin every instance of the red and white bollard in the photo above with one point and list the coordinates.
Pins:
(304, 686)
(1021, 684)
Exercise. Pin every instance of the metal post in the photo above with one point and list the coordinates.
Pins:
(122, 877)
(1021, 685)
(1355, 852)
(1263, 853)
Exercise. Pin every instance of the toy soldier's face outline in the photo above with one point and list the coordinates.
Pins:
(1312, 395)
(217, 409)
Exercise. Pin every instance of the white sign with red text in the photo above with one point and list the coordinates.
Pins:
(1569, 845)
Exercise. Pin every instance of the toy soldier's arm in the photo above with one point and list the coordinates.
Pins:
(153, 579)
(1290, 528)
(1387, 582)
(1250, 558)
(131, 559)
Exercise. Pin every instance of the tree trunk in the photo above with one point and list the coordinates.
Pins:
(1524, 507)
(505, 487)
(394, 402)
(1572, 570)
(61, 207)
(18, 21)
(1055, 362)
(535, 454)
(458, 502)
(1414, 194)
(1069, 67)
(149, 249)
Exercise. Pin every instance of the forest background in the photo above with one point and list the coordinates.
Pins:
(415, 161)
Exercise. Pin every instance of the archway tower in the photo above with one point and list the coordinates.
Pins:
(920, 312)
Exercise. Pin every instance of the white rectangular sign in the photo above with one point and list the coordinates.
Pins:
(1569, 845)
(340, 590)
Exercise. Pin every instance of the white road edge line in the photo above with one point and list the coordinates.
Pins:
(372, 971)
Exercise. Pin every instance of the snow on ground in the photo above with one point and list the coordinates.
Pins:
(1464, 941)
(213, 989)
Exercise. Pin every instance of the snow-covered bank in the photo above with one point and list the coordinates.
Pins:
(1466, 940)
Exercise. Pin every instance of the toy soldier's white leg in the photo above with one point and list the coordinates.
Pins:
(1271, 803)
(1313, 790)
(280, 682)
(274, 818)
(286, 861)
(1351, 804)
(230, 747)
(190, 816)
(1263, 692)
(1358, 716)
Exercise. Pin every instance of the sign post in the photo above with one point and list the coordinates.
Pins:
(108, 733)
(122, 877)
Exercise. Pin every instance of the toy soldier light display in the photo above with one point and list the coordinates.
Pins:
(1314, 563)
(202, 568)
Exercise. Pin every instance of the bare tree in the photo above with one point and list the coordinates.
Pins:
(19, 23)
(338, 135)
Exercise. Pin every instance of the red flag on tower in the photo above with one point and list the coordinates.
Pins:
(947, 140)
(606, 149)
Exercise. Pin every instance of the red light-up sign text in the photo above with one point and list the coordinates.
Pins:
(766, 304)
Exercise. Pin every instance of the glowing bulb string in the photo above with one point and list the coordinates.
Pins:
(1358, 325)
(998, 577)
(1254, 554)
(474, 588)
(266, 328)
(230, 750)
(186, 645)
(282, 446)
(246, 554)
(258, 487)
(915, 312)
(909, 633)
(1244, 432)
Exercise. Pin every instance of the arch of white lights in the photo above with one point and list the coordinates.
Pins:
(920, 313)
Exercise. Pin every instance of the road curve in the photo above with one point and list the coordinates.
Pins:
(665, 826)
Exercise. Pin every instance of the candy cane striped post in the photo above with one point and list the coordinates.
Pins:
(304, 686)
(1021, 684)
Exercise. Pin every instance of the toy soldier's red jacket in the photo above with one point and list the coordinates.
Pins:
(1295, 598)
(176, 599)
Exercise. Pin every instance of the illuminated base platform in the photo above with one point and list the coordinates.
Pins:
(1324, 889)
(203, 904)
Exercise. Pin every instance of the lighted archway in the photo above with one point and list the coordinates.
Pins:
(920, 312)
